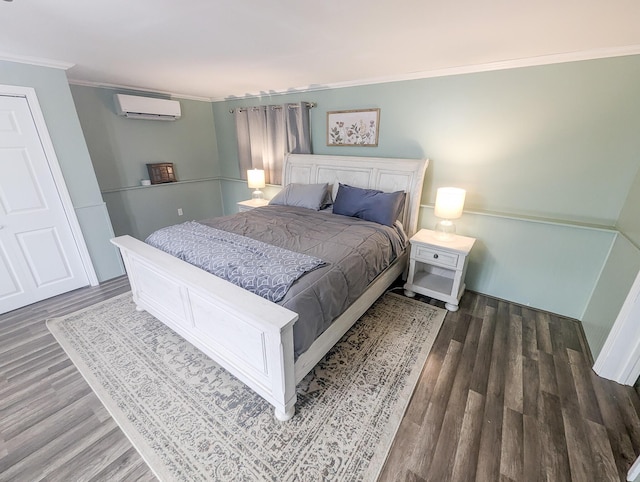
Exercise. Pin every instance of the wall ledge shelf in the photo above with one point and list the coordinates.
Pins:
(538, 219)
(188, 181)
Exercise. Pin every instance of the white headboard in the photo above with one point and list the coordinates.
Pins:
(384, 174)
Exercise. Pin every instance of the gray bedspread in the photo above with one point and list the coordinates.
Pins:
(355, 251)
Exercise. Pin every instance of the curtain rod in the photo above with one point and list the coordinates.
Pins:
(310, 105)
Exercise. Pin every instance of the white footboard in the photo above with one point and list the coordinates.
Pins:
(249, 336)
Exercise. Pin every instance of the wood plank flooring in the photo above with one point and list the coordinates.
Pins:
(507, 394)
(52, 426)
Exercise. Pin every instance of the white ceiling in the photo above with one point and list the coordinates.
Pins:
(222, 48)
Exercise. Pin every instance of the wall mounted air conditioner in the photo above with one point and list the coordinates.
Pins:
(137, 107)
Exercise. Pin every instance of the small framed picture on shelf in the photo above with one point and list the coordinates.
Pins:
(161, 172)
(353, 127)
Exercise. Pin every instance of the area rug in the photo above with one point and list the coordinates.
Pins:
(191, 420)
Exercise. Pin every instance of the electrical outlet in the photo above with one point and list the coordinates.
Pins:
(180, 212)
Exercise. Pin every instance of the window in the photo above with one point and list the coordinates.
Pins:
(267, 133)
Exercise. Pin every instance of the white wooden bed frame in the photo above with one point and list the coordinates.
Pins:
(246, 334)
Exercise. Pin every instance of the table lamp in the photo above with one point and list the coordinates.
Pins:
(255, 180)
(449, 204)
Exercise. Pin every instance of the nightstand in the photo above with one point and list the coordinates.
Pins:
(249, 204)
(437, 267)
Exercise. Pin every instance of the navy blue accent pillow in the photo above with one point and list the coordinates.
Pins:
(369, 204)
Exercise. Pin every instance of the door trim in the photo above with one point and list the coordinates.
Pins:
(29, 94)
(619, 359)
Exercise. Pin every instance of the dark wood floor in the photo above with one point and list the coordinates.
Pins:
(507, 394)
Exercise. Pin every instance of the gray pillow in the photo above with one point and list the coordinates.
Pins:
(310, 196)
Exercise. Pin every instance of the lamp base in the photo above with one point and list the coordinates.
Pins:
(257, 194)
(445, 229)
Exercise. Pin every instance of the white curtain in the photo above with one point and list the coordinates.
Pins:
(266, 133)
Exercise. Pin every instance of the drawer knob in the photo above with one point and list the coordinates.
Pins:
(435, 256)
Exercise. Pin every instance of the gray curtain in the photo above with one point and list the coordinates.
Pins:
(266, 133)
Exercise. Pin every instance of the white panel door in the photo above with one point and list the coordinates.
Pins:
(38, 254)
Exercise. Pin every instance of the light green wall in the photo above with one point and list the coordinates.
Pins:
(611, 290)
(557, 141)
(143, 210)
(618, 273)
(547, 155)
(120, 149)
(629, 221)
(541, 264)
(57, 106)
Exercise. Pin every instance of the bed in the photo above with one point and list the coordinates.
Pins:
(251, 337)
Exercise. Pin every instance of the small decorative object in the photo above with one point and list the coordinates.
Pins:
(353, 127)
(161, 172)
(449, 204)
(255, 180)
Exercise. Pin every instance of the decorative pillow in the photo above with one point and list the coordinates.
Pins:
(310, 196)
(369, 204)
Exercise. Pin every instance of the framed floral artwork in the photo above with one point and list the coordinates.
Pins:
(353, 127)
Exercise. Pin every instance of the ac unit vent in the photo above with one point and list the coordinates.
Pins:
(150, 108)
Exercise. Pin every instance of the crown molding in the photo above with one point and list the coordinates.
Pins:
(448, 71)
(39, 61)
(141, 90)
(459, 70)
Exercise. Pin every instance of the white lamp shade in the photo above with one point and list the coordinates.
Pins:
(449, 202)
(255, 178)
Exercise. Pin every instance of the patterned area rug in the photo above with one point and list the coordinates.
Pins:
(191, 420)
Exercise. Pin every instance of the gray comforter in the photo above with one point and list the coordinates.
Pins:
(355, 251)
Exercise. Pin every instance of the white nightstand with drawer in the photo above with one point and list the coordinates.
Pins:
(437, 267)
(249, 204)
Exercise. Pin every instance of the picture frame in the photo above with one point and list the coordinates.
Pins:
(358, 127)
(161, 172)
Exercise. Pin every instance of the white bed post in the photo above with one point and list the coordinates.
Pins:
(283, 377)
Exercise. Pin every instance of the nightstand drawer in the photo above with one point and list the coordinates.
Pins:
(435, 257)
